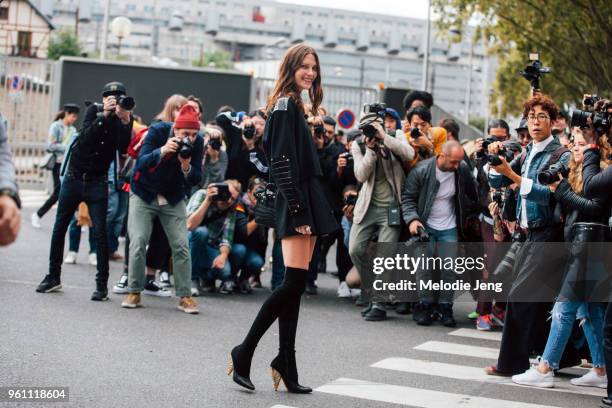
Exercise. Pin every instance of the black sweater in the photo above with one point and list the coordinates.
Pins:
(596, 183)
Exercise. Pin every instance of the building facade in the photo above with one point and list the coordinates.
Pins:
(355, 48)
(24, 30)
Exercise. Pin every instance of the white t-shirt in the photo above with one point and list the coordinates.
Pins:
(442, 215)
(526, 183)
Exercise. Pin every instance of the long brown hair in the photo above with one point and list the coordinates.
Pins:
(285, 84)
(173, 103)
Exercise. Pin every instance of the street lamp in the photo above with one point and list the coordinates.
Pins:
(425, 74)
(121, 27)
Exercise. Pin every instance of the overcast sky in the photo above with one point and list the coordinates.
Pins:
(404, 8)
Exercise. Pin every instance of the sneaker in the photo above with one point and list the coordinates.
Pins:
(93, 259)
(70, 257)
(152, 288)
(422, 314)
(375, 314)
(498, 316)
(312, 289)
(534, 378)
(473, 315)
(591, 379)
(100, 294)
(226, 288)
(446, 315)
(403, 308)
(245, 287)
(164, 279)
(132, 301)
(195, 288)
(361, 301)
(188, 305)
(120, 287)
(208, 286)
(484, 323)
(343, 290)
(35, 221)
(255, 282)
(49, 284)
(606, 402)
(355, 293)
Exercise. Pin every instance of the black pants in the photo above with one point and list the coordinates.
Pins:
(343, 260)
(527, 326)
(73, 191)
(608, 346)
(158, 253)
(56, 190)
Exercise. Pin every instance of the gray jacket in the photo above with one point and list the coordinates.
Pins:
(365, 169)
(422, 186)
(7, 168)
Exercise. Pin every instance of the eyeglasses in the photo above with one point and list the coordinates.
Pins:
(540, 117)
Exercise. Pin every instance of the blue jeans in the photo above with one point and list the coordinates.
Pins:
(117, 211)
(591, 316)
(203, 255)
(73, 191)
(74, 237)
(278, 264)
(443, 251)
(246, 259)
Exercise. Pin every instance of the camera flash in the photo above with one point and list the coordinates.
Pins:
(534, 56)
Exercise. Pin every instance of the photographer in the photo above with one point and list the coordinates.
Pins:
(522, 133)
(211, 221)
(243, 136)
(378, 162)
(525, 325)
(107, 128)
(215, 161)
(168, 166)
(10, 217)
(438, 198)
(425, 139)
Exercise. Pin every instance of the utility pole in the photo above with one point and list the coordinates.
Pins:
(105, 30)
(425, 75)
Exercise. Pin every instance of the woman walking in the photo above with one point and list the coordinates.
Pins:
(302, 213)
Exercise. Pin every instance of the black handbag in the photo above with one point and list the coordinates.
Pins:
(265, 205)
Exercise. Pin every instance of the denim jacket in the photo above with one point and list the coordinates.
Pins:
(540, 201)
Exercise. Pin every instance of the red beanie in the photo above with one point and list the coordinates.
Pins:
(187, 118)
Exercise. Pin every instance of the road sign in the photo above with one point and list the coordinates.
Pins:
(346, 118)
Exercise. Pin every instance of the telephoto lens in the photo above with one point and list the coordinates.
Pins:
(126, 102)
(185, 148)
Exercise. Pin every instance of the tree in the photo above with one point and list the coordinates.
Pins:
(573, 38)
(214, 59)
(64, 43)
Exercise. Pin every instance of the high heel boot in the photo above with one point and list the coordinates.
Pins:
(240, 366)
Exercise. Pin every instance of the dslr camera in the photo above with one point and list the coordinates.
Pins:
(185, 148)
(599, 118)
(421, 236)
(215, 143)
(378, 108)
(319, 131)
(351, 199)
(223, 193)
(249, 132)
(534, 70)
(494, 159)
(346, 155)
(126, 103)
(551, 174)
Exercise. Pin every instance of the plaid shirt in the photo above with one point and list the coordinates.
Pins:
(221, 225)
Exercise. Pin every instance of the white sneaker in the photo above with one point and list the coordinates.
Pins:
(534, 378)
(355, 293)
(120, 287)
(35, 220)
(343, 290)
(93, 259)
(164, 280)
(591, 379)
(153, 288)
(70, 258)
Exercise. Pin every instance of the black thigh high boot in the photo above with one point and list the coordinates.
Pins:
(282, 298)
(284, 367)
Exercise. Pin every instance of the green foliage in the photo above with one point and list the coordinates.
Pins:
(478, 123)
(63, 43)
(573, 38)
(214, 59)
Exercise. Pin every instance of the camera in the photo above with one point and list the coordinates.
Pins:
(351, 199)
(421, 236)
(378, 108)
(185, 148)
(319, 130)
(551, 174)
(415, 133)
(494, 159)
(223, 193)
(249, 132)
(600, 118)
(126, 103)
(215, 143)
(346, 155)
(498, 197)
(534, 70)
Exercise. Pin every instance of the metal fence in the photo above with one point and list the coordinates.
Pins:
(335, 97)
(26, 91)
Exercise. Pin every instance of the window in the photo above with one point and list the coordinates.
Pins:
(24, 42)
(4, 13)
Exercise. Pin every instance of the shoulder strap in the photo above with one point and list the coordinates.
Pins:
(556, 155)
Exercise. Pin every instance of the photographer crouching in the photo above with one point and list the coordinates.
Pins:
(107, 128)
(168, 166)
(525, 327)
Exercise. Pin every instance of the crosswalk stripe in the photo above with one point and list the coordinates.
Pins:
(477, 334)
(281, 406)
(460, 372)
(459, 349)
(414, 397)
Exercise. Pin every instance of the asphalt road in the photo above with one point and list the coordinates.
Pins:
(157, 356)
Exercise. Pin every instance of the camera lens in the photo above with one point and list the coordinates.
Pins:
(579, 118)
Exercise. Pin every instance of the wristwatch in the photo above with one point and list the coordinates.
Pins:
(12, 194)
